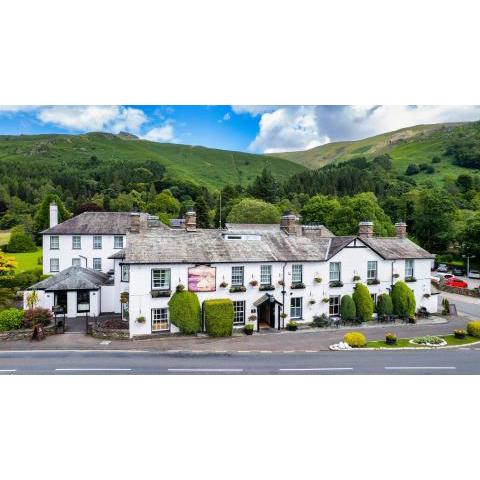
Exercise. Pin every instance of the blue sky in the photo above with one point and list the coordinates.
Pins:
(260, 129)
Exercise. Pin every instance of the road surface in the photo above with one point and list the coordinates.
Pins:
(427, 362)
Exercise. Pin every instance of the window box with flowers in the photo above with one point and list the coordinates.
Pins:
(160, 293)
(237, 288)
(264, 288)
(336, 284)
(410, 279)
(373, 281)
(297, 285)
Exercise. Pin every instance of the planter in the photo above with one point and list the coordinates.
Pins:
(253, 283)
(373, 281)
(248, 331)
(460, 334)
(264, 288)
(317, 280)
(390, 342)
(410, 279)
(160, 293)
(356, 278)
(336, 284)
(294, 286)
(141, 320)
(238, 289)
(292, 327)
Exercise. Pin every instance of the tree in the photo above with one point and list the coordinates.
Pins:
(403, 300)
(164, 202)
(384, 305)
(184, 309)
(265, 186)
(348, 310)
(250, 210)
(363, 302)
(464, 182)
(320, 209)
(20, 241)
(384, 161)
(7, 265)
(203, 214)
(41, 219)
(412, 169)
(470, 237)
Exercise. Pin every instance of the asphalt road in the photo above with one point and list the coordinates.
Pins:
(426, 362)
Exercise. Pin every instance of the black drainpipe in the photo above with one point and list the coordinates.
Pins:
(283, 297)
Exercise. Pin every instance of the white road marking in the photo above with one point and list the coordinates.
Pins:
(311, 351)
(105, 342)
(320, 369)
(289, 351)
(8, 370)
(205, 369)
(93, 369)
(265, 351)
(243, 351)
(420, 368)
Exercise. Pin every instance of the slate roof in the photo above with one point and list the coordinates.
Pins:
(98, 223)
(74, 278)
(394, 248)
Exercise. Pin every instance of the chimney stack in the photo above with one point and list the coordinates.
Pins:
(134, 222)
(288, 223)
(190, 221)
(53, 214)
(365, 229)
(401, 229)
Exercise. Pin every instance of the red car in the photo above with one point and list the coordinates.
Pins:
(455, 282)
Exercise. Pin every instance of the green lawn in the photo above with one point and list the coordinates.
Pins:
(4, 237)
(405, 342)
(27, 261)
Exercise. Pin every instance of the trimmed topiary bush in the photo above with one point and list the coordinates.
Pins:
(363, 302)
(473, 328)
(403, 301)
(11, 319)
(348, 310)
(218, 317)
(384, 305)
(184, 310)
(355, 339)
(37, 316)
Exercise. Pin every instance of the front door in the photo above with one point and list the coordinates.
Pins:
(266, 314)
(60, 300)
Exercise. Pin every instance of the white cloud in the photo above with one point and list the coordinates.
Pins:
(94, 118)
(17, 108)
(291, 128)
(227, 117)
(253, 110)
(164, 133)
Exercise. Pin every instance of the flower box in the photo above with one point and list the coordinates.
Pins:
(264, 288)
(373, 281)
(239, 288)
(410, 279)
(336, 284)
(297, 285)
(160, 293)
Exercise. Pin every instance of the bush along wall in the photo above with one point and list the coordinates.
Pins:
(363, 302)
(384, 305)
(218, 317)
(185, 312)
(403, 301)
(348, 310)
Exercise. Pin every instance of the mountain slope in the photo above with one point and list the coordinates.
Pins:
(203, 166)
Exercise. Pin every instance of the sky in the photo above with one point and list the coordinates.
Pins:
(248, 128)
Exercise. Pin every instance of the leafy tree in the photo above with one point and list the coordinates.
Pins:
(320, 209)
(470, 237)
(41, 220)
(7, 265)
(165, 202)
(403, 300)
(384, 161)
(363, 302)
(384, 305)
(203, 214)
(250, 210)
(464, 182)
(348, 310)
(412, 169)
(265, 186)
(20, 241)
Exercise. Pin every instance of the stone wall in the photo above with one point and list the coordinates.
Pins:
(24, 334)
(110, 333)
(459, 291)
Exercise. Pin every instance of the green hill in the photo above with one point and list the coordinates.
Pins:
(212, 168)
(417, 144)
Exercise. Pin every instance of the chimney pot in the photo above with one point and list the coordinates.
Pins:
(288, 223)
(190, 221)
(365, 229)
(53, 214)
(401, 229)
(135, 222)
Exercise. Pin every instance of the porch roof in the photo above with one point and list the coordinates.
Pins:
(73, 278)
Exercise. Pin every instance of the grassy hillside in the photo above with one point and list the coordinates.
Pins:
(408, 145)
(204, 166)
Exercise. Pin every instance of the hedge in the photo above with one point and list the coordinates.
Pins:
(218, 317)
(473, 328)
(185, 312)
(384, 305)
(403, 300)
(363, 302)
(11, 319)
(348, 310)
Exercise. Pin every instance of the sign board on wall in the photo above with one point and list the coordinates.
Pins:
(202, 279)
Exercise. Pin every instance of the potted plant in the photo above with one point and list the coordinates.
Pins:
(312, 301)
(281, 283)
(426, 295)
(253, 283)
(252, 318)
(317, 279)
(390, 339)
(141, 319)
(325, 299)
(396, 275)
(356, 278)
(224, 284)
(283, 315)
(292, 326)
(248, 329)
(460, 333)
(180, 287)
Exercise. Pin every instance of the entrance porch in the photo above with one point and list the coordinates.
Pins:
(268, 312)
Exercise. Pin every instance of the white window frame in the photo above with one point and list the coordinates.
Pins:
(160, 318)
(54, 242)
(371, 263)
(335, 274)
(57, 260)
(239, 312)
(97, 242)
(83, 307)
(93, 264)
(161, 278)
(265, 274)
(334, 305)
(409, 267)
(297, 273)
(76, 262)
(373, 296)
(125, 273)
(76, 246)
(115, 239)
(238, 276)
(296, 311)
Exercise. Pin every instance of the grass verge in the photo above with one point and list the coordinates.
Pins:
(405, 342)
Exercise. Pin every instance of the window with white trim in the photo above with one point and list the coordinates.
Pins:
(83, 301)
(297, 273)
(372, 266)
(239, 312)
(409, 271)
(76, 262)
(76, 242)
(296, 307)
(97, 263)
(97, 241)
(54, 265)
(237, 276)
(125, 273)
(160, 322)
(161, 279)
(373, 296)
(265, 274)
(117, 241)
(335, 271)
(334, 305)
(54, 242)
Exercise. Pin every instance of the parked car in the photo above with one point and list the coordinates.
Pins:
(474, 274)
(456, 282)
(442, 268)
(459, 272)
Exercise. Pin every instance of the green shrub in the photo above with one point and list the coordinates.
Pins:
(184, 309)
(35, 316)
(459, 333)
(355, 339)
(11, 319)
(445, 307)
(218, 317)
(384, 305)
(248, 328)
(20, 242)
(363, 302)
(320, 321)
(390, 338)
(430, 339)
(403, 301)
(348, 310)
(473, 328)
(292, 326)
